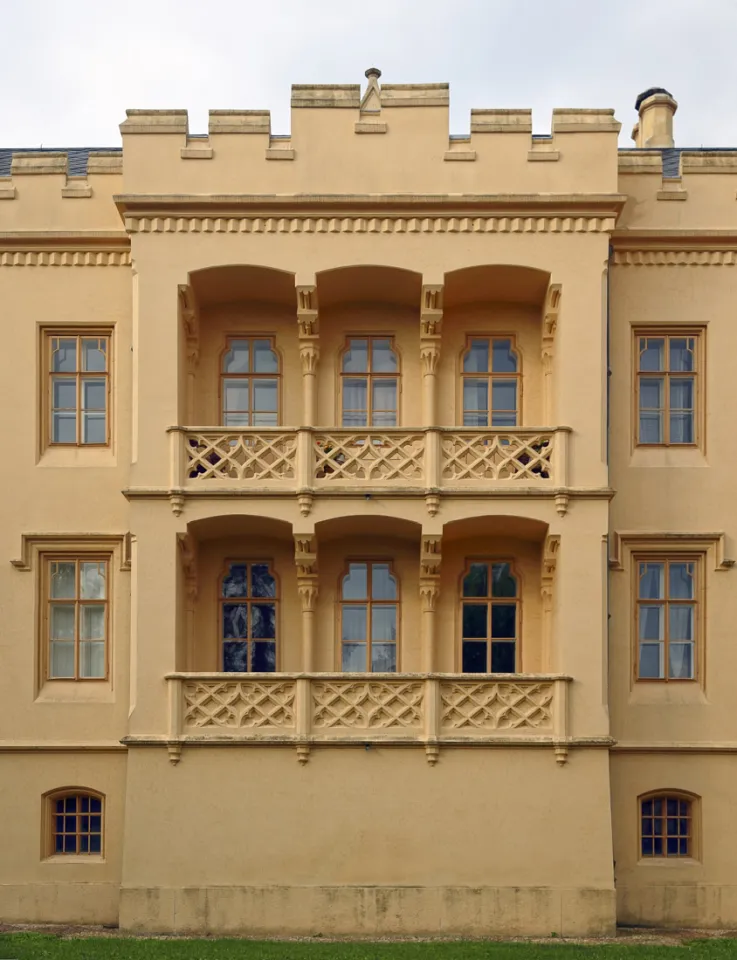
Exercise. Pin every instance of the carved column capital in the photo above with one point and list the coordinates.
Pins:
(307, 587)
(429, 356)
(309, 354)
(429, 593)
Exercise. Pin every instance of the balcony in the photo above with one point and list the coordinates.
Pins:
(430, 710)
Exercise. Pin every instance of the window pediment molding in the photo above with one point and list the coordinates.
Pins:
(623, 542)
(33, 544)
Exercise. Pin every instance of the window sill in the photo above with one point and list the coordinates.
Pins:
(669, 863)
(91, 858)
(92, 456)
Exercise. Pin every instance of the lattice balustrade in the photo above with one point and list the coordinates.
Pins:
(474, 455)
(263, 455)
(496, 705)
(369, 457)
(239, 704)
(366, 705)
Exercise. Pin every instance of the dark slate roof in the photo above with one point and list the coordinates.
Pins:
(76, 157)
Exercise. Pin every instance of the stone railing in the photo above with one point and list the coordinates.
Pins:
(430, 710)
(308, 460)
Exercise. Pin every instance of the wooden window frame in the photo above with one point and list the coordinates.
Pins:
(370, 377)
(693, 836)
(251, 377)
(49, 833)
(490, 601)
(248, 601)
(369, 603)
(667, 333)
(698, 602)
(77, 602)
(50, 334)
(517, 377)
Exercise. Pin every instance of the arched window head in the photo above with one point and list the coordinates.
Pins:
(369, 382)
(248, 617)
(249, 383)
(369, 615)
(75, 823)
(667, 825)
(489, 617)
(490, 383)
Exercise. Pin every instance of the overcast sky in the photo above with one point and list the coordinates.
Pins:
(69, 70)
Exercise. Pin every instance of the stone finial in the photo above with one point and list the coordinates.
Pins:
(656, 108)
(372, 73)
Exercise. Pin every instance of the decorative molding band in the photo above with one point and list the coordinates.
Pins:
(674, 258)
(54, 746)
(65, 258)
(34, 543)
(391, 225)
(653, 542)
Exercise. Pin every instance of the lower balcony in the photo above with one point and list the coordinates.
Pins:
(427, 710)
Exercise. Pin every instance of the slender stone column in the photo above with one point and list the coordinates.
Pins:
(305, 557)
(430, 557)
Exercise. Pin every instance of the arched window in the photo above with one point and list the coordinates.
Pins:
(489, 617)
(667, 825)
(369, 383)
(249, 383)
(490, 383)
(369, 617)
(74, 822)
(248, 599)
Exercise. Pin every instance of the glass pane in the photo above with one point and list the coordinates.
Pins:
(235, 584)
(354, 657)
(383, 419)
(475, 620)
(92, 581)
(651, 427)
(94, 429)
(647, 809)
(84, 844)
(383, 584)
(84, 805)
(681, 623)
(651, 622)
(681, 393)
(383, 358)
(62, 621)
(265, 396)
(265, 359)
(651, 393)
(94, 355)
(475, 419)
(474, 657)
(384, 395)
(263, 657)
(672, 846)
(355, 583)
(384, 623)
(92, 622)
(70, 824)
(92, 659)
(476, 581)
(62, 659)
(647, 826)
(355, 402)
(70, 844)
(503, 657)
(64, 428)
(652, 353)
(647, 846)
(657, 807)
(503, 584)
(235, 395)
(95, 804)
(652, 581)
(64, 394)
(503, 395)
(355, 419)
(384, 657)
(475, 394)
(355, 359)
(476, 359)
(681, 581)
(681, 428)
(504, 620)
(235, 657)
(651, 661)
(681, 661)
(683, 847)
(503, 358)
(263, 584)
(94, 393)
(64, 355)
(353, 623)
(503, 419)
(238, 420)
(95, 843)
(263, 621)
(63, 585)
(681, 354)
(235, 621)
(236, 359)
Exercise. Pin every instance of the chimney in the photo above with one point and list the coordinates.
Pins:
(656, 107)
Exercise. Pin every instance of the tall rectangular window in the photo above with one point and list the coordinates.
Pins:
(79, 389)
(248, 617)
(77, 615)
(667, 618)
(249, 383)
(667, 388)
(490, 383)
(489, 618)
(369, 383)
(369, 611)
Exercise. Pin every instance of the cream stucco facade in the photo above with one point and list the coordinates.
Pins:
(367, 540)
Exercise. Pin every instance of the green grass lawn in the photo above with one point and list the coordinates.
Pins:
(37, 946)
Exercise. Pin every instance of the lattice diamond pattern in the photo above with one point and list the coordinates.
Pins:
(502, 456)
(237, 456)
(239, 704)
(373, 705)
(382, 457)
(490, 705)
